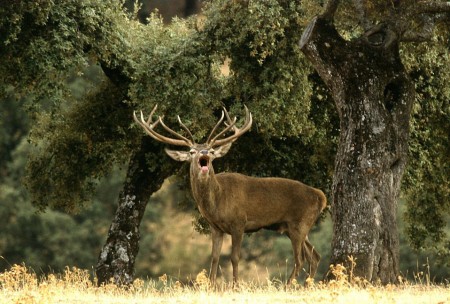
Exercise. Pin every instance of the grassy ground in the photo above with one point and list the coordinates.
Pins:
(20, 285)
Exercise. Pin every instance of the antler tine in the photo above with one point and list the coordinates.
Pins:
(214, 129)
(185, 128)
(175, 133)
(149, 120)
(149, 126)
(228, 127)
(237, 131)
(226, 114)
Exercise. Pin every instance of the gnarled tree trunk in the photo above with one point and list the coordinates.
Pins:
(373, 96)
(118, 255)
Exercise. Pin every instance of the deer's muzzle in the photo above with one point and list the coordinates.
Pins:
(203, 162)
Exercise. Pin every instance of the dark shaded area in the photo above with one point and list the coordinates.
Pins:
(168, 9)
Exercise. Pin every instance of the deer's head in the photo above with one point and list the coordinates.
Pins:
(199, 155)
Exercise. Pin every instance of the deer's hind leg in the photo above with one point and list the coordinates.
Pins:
(312, 256)
(297, 233)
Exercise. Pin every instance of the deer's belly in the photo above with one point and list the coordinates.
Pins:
(255, 226)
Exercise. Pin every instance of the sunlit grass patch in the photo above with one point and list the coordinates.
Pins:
(21, 285)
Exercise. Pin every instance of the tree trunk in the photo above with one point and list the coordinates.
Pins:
(373, 96)
(117, 257)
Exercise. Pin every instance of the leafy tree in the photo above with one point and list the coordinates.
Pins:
(427, 178)
(356, 48)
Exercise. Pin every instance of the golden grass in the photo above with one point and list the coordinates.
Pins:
(20, 285)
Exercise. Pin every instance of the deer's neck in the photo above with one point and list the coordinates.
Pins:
(206, 191)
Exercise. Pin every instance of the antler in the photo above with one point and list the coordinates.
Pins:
(231, 124)
(149, 126)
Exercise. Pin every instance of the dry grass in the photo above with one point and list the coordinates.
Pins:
(20, 285)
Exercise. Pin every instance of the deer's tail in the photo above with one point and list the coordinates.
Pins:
(322, 201)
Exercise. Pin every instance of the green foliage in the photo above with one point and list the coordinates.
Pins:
(72, 151)
(268, 72)
(49, 241)
(42, 45)
(42, 41)
(427, 178)
(181, 68)
(13, 127)
(177, 73)
(177, 67)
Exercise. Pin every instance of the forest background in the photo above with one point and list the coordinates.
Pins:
(51, 240)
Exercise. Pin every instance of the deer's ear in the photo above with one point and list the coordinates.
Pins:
(178, 155)
(222, 150)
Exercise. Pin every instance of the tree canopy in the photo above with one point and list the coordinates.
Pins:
(359, 49)
(177, 67)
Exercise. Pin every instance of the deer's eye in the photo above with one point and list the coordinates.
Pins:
(211, 151)
(192, 152)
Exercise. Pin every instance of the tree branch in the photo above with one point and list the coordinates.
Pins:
(330, 9)
(362, 16)
(433, 7)
(425, 32)
(381, 35)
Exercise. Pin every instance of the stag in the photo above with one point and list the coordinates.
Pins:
(235, 204)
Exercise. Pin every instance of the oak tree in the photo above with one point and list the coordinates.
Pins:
(374, 96)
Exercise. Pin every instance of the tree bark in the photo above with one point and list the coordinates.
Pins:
(373, 96)
(117, 257)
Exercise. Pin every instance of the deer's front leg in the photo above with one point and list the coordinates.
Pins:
(217, 241)
(236, 241)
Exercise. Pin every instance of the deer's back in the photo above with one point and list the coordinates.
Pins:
(271, 199)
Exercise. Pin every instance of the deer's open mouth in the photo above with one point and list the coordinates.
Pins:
(203, 162)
